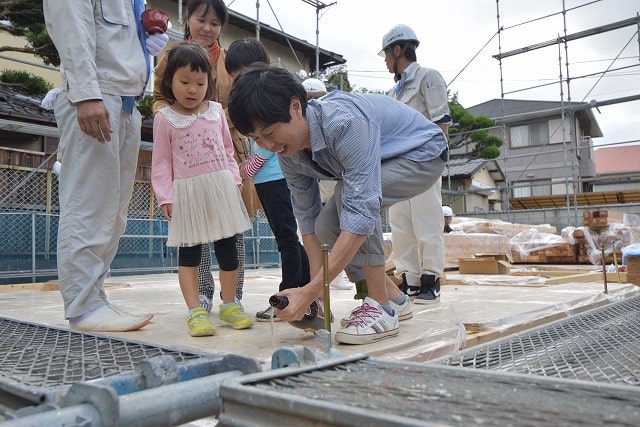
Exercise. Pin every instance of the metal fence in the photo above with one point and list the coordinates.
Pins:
(29, 220)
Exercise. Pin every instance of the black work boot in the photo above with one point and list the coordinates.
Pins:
(429, 291)
(411, 291)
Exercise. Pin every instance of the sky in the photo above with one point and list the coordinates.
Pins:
(459, 38)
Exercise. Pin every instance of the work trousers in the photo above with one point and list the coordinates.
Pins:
(417, 228)
(96, 183)
(401, 179)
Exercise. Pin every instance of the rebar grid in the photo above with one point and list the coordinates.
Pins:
(41, 356)
(600, 345)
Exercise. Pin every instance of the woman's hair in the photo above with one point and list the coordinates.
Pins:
(243, 53)
(185, 55)
(218, 7)
(261, 96)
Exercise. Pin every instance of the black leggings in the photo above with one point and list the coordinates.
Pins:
(225, 250)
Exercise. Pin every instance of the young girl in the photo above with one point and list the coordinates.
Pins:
(196, 182)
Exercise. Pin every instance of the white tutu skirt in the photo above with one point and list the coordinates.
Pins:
(206, 208)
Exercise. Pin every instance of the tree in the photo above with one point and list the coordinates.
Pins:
(25, 18)
(336, 78)
(472, 131)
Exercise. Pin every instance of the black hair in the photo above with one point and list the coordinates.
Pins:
(218, 7)
(262, 95)
(408, 48)
(183, 55)
(243, 53)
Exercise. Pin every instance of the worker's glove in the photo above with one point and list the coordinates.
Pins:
(156, 42)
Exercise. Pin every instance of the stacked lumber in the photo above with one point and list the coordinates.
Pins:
(471, 225)
(633, 269)
(602, 218)
(606, 230)
(532, 246)
(458, 246)
(561, 253)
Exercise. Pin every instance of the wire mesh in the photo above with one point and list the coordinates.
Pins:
(600, 345)
(29, 220)
(41, 356)
(377, 392)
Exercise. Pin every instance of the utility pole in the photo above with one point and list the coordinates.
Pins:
(319, 6)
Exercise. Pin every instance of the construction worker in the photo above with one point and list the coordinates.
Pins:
(447, 214)
(417, 223)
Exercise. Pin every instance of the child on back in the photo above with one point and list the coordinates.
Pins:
(196, 182)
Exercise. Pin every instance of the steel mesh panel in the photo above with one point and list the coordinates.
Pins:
(404, 393)
(40, 356)
(600, 345)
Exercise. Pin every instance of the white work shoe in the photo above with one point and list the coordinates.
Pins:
(368, 324)
(404, 311)
(341, 282)
(119, 309)
(109, 319)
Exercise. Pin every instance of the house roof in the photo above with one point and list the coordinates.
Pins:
(16, 105)
(617, 159)
(460, 168)
(514, 111)
(20, 113)
(326, 57)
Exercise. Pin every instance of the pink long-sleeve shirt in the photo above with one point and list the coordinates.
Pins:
(188, 146)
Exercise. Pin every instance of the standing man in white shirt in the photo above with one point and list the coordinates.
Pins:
(417, 223)
(104, 61)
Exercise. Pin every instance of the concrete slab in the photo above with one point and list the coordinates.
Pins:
(434, 331)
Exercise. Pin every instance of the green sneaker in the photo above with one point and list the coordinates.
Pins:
(233, 315)
(199, 323)
(361, 290)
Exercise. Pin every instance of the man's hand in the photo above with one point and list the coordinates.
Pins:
(299, 301)
(93, 118)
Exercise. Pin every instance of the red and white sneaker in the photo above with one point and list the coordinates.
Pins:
(367, 324)
(404, 311)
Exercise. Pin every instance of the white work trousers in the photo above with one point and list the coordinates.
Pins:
(96, 183)
(417, 233)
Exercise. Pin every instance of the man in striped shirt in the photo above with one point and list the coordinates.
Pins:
(379, 150)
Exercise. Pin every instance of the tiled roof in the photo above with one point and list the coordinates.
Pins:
(463, 168)
(617, 159)
(18, 107)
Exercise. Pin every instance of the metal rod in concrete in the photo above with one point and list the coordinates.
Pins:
(327, 300)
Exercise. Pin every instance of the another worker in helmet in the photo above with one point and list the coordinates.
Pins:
(417, 223)
(447, 214)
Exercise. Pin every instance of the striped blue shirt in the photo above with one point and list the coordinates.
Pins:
(351, 134)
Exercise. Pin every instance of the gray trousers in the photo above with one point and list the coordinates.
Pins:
(96, 183)
(401, 179)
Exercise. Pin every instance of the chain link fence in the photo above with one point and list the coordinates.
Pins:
(29, 215)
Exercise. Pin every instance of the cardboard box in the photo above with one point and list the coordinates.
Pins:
(483, 265)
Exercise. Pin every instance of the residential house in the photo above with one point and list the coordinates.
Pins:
(617, 168)
(472, 185)
(548, 148)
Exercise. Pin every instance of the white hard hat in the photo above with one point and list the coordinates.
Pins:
(314, 85)
(399, 33)
(447, 211)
